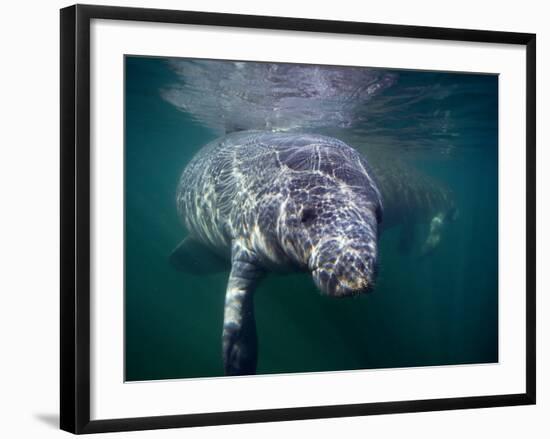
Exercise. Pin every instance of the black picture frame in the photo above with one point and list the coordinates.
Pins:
(75, 217)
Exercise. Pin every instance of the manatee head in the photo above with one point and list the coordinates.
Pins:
(331, 225)
(343, 257)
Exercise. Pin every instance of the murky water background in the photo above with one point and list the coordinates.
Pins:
(439, 309)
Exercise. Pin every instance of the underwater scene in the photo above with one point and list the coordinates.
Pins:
(289, 218)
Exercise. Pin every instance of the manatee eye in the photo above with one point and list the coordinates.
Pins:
(308, 215)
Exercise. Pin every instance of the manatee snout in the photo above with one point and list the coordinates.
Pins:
(343, 269)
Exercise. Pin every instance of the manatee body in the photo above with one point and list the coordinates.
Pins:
(277, 202)
(413, 199)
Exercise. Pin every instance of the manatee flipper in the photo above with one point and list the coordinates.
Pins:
(240, 343)
(191, 256)
(434, 234)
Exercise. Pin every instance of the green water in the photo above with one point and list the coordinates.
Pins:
(440, 309)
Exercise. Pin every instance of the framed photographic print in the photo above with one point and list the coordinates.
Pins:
(267, 218)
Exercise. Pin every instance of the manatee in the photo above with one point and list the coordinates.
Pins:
(283, 200)
(277, 202)
(411, 199)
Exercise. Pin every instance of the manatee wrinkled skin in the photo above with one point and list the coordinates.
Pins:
(278, 202)
(283, 202)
